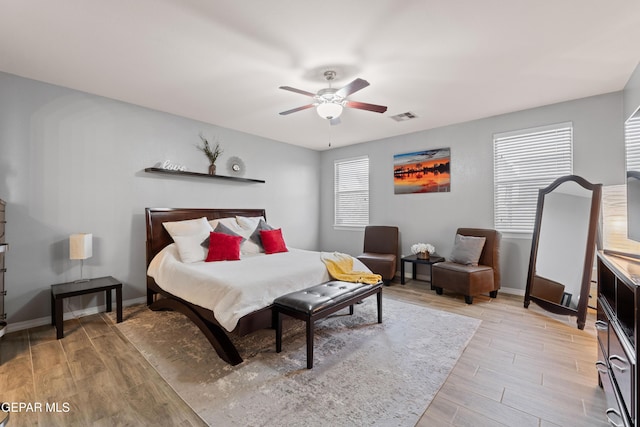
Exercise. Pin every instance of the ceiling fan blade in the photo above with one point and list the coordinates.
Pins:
(294, 110)
(335, 122)
(352, 87)
(365, 106)
(300, 91)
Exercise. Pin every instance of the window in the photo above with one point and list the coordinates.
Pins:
(524, 162)
(614, 197)
(351, 187)
(632, 142)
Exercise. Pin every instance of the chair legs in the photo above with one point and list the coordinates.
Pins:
(438, 290)
(468, 299)
(493, 294)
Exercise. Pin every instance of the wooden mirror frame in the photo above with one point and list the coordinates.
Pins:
(585, 283)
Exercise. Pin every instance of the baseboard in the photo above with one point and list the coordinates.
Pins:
(19, 326)
(424, 277)
(512, 291)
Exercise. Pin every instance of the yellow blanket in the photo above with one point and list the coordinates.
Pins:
(340, 267)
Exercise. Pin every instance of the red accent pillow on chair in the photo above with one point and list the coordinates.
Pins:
(272, 241)
(223, 247)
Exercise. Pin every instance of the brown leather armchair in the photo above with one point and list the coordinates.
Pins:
(472, 280)
(381, 250)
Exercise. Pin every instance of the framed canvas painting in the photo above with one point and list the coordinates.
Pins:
(422, 172)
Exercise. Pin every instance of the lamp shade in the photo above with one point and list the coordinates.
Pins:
(329, 110)
(80, 246)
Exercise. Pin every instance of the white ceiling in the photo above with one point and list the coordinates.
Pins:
(222, 61)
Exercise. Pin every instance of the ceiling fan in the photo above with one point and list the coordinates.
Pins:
(329, 102)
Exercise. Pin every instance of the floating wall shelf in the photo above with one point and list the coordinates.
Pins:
(200, 175)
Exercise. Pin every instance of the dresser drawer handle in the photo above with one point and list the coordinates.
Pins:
(614, 411)
(602, 367)
(602, 325)
(618, 358)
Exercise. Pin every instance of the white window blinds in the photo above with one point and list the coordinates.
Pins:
(524, 162)
(632, 142)
(351, 187)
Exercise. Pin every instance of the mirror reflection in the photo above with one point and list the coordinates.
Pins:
(563, 247)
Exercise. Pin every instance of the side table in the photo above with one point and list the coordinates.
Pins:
(414, 260)
(72, 289)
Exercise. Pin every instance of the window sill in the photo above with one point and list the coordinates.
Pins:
(349, 227)
(523, 235)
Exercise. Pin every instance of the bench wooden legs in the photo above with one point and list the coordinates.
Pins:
(310, 330)
(278, 331)
(310, 334)
(310, 324)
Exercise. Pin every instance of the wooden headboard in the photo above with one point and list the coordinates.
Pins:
(157, 236)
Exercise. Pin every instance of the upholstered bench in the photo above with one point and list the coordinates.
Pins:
(317, 302)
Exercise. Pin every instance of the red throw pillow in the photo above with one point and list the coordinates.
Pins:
(223, 247)
(272, 241)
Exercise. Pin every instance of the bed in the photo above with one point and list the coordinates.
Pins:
(220, 317)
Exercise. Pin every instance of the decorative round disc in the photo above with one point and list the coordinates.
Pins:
(236, 166)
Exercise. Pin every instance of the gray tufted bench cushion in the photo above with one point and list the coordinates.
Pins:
(317, 302)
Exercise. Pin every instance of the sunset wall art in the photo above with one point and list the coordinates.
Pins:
(422, 172)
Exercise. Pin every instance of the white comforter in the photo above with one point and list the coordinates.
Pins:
(232, 289)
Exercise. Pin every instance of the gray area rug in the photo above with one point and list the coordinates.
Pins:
(364, 374)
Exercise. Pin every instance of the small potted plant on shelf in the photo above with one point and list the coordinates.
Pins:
(212, 154)
(423, 250)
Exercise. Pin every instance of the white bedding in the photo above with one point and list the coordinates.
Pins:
(232, 289)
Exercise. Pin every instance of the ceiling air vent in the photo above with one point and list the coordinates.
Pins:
(404, 116)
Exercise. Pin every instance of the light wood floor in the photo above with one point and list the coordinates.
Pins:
(522, 368)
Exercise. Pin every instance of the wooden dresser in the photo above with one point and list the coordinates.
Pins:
(3, 248)
(618, 327)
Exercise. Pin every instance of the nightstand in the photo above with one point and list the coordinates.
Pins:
(72, 289)
(414, 260)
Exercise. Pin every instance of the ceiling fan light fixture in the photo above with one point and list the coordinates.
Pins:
(330, 102)
(329, 110)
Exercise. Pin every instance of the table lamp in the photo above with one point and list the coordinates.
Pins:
(81, 247)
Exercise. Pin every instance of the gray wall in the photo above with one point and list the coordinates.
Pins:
(433, 218)
(632, 94)
(72, 162)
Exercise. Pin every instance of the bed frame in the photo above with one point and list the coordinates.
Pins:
(157, 239)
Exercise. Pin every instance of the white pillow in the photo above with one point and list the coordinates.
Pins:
(249, 222)
(229, 222)
(188, 235)
(250, 248)
(247, 247)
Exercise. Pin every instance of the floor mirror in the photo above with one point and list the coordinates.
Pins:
(563, 247)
